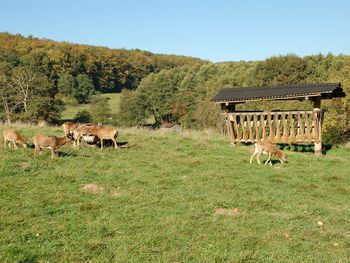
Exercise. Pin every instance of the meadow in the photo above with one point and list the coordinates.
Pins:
(172, 197)
(71, 110)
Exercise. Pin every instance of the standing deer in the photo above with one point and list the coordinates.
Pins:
(81, 131)
(106, 133)
(68, 127)
(267, 148)
(14, 137)
(52, 142)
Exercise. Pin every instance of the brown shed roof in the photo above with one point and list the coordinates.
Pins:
(295, 91)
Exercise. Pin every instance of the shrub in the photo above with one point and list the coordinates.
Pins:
(82, 116)
(335, 136)
(100, 110)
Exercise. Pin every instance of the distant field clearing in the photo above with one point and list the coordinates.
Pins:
(72, 110)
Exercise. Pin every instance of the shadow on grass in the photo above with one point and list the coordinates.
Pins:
(298, 147)
(66, 154)
(109, 143)
(274, 162)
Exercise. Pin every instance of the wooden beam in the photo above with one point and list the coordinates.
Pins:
(229, 108)
(300, 98)
(317, 125)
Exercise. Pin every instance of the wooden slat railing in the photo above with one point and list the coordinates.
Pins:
(275, 126)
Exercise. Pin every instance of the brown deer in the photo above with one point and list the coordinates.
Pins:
(68, 127)
(81, 131)
(52, 142)
(106, 133)
(267, 148)
(14, 137)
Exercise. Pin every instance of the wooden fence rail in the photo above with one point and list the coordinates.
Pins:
(275, 126)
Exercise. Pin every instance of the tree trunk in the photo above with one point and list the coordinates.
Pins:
(7, 110)
(25, 105)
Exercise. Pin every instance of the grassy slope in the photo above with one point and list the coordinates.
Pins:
(170, 186)
(72, 110)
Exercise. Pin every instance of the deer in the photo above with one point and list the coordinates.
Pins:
(267, 148)
(52, 142)
(81, 131)
(68, 127)
(106, 133)
(14, 137)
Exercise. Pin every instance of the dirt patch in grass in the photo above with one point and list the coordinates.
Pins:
(92, 188)
(117, 194)
(227, 211)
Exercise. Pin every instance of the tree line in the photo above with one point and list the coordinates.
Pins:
(182, 94)
(37, 76)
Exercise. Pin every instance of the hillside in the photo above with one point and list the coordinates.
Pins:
(185, 197)
(60, 71)
(110, 69)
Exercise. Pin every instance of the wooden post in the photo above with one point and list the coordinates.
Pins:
(250, 124)
(243, 124)
(317, 125)
(271, 130)
(229, 108)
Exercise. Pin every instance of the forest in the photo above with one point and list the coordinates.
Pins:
(38, 77)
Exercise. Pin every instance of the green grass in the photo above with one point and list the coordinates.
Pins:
(71, 110)
(169, 187)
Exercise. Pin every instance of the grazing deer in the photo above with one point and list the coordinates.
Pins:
(52, 142)
(68, 127)
(267, 148)
(80, 131)
(14, 137)
(106, 133)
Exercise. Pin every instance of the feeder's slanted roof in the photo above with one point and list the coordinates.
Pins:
(297, 91)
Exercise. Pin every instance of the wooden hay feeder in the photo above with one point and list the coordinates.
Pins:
(297, 126)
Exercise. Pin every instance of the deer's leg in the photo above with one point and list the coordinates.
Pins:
(268, 159)
(37, 149)
(252, 156)
(52, 152)
(257, 157)
(115, 143)
(5, 143)
(271, 160)
(76, 141)
(101, 143)
(15, 145)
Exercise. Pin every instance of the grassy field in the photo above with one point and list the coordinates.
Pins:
(72, 110)
(186, 197)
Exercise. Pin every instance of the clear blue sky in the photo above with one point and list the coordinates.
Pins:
(216, 30)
